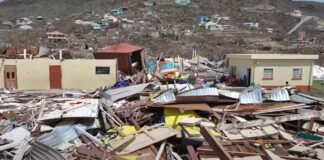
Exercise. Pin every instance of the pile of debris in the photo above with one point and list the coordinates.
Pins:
(318, 72)
(199, 69)
(156, 121)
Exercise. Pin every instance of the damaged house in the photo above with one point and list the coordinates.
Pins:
(30, 74)
(273, 70)
(56, 36)
(20, 52)
(129, 56)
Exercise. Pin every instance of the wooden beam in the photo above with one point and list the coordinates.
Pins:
(159, 154)
(245, 154)
(233, 153)
(261, 141)
(192, 153)
(151, 147)
(215, 145)
(305, 114)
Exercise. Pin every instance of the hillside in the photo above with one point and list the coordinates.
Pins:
(170, 28)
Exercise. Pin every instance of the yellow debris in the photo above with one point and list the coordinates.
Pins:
(195, 131)
(128, 129)
(185, 76)
(173, 116)
(129, 156)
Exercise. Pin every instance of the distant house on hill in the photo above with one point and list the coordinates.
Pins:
(56, 36)
(296, 13)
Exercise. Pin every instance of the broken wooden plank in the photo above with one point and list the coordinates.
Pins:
(271, 155)
(213, 142)
(244, 154)
(192, 153)
(158, 155)
(261, 141)
(263, 122)
(260, 108)
(146, 137)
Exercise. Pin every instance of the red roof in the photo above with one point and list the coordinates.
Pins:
(120, 48)
(55, 32)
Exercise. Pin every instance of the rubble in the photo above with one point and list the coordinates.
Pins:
(160, 121)
(171, 108)
(166, 107)
(318, 72)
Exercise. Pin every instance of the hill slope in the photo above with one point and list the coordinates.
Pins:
(176, 26)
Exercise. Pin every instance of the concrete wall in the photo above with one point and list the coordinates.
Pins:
(76, 73)
(241, 66)
(283, 71)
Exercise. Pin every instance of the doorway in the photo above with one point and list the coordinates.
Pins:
(55, 76)
(10, 76)
(249, 77)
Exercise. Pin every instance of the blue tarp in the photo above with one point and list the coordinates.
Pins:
(203, 19)
(121, 84)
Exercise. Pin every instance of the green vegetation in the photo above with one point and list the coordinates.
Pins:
(318, 88)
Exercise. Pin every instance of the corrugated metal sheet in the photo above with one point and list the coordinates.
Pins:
(119, 93)
(200, 92)
(41, 151)
(165, 97)
(300, 99)
(81, 108)
(16, 135)
(318, 99)
(279, 94)
(180, 87)
(230, 94)
(251, 95)
(59, 136)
